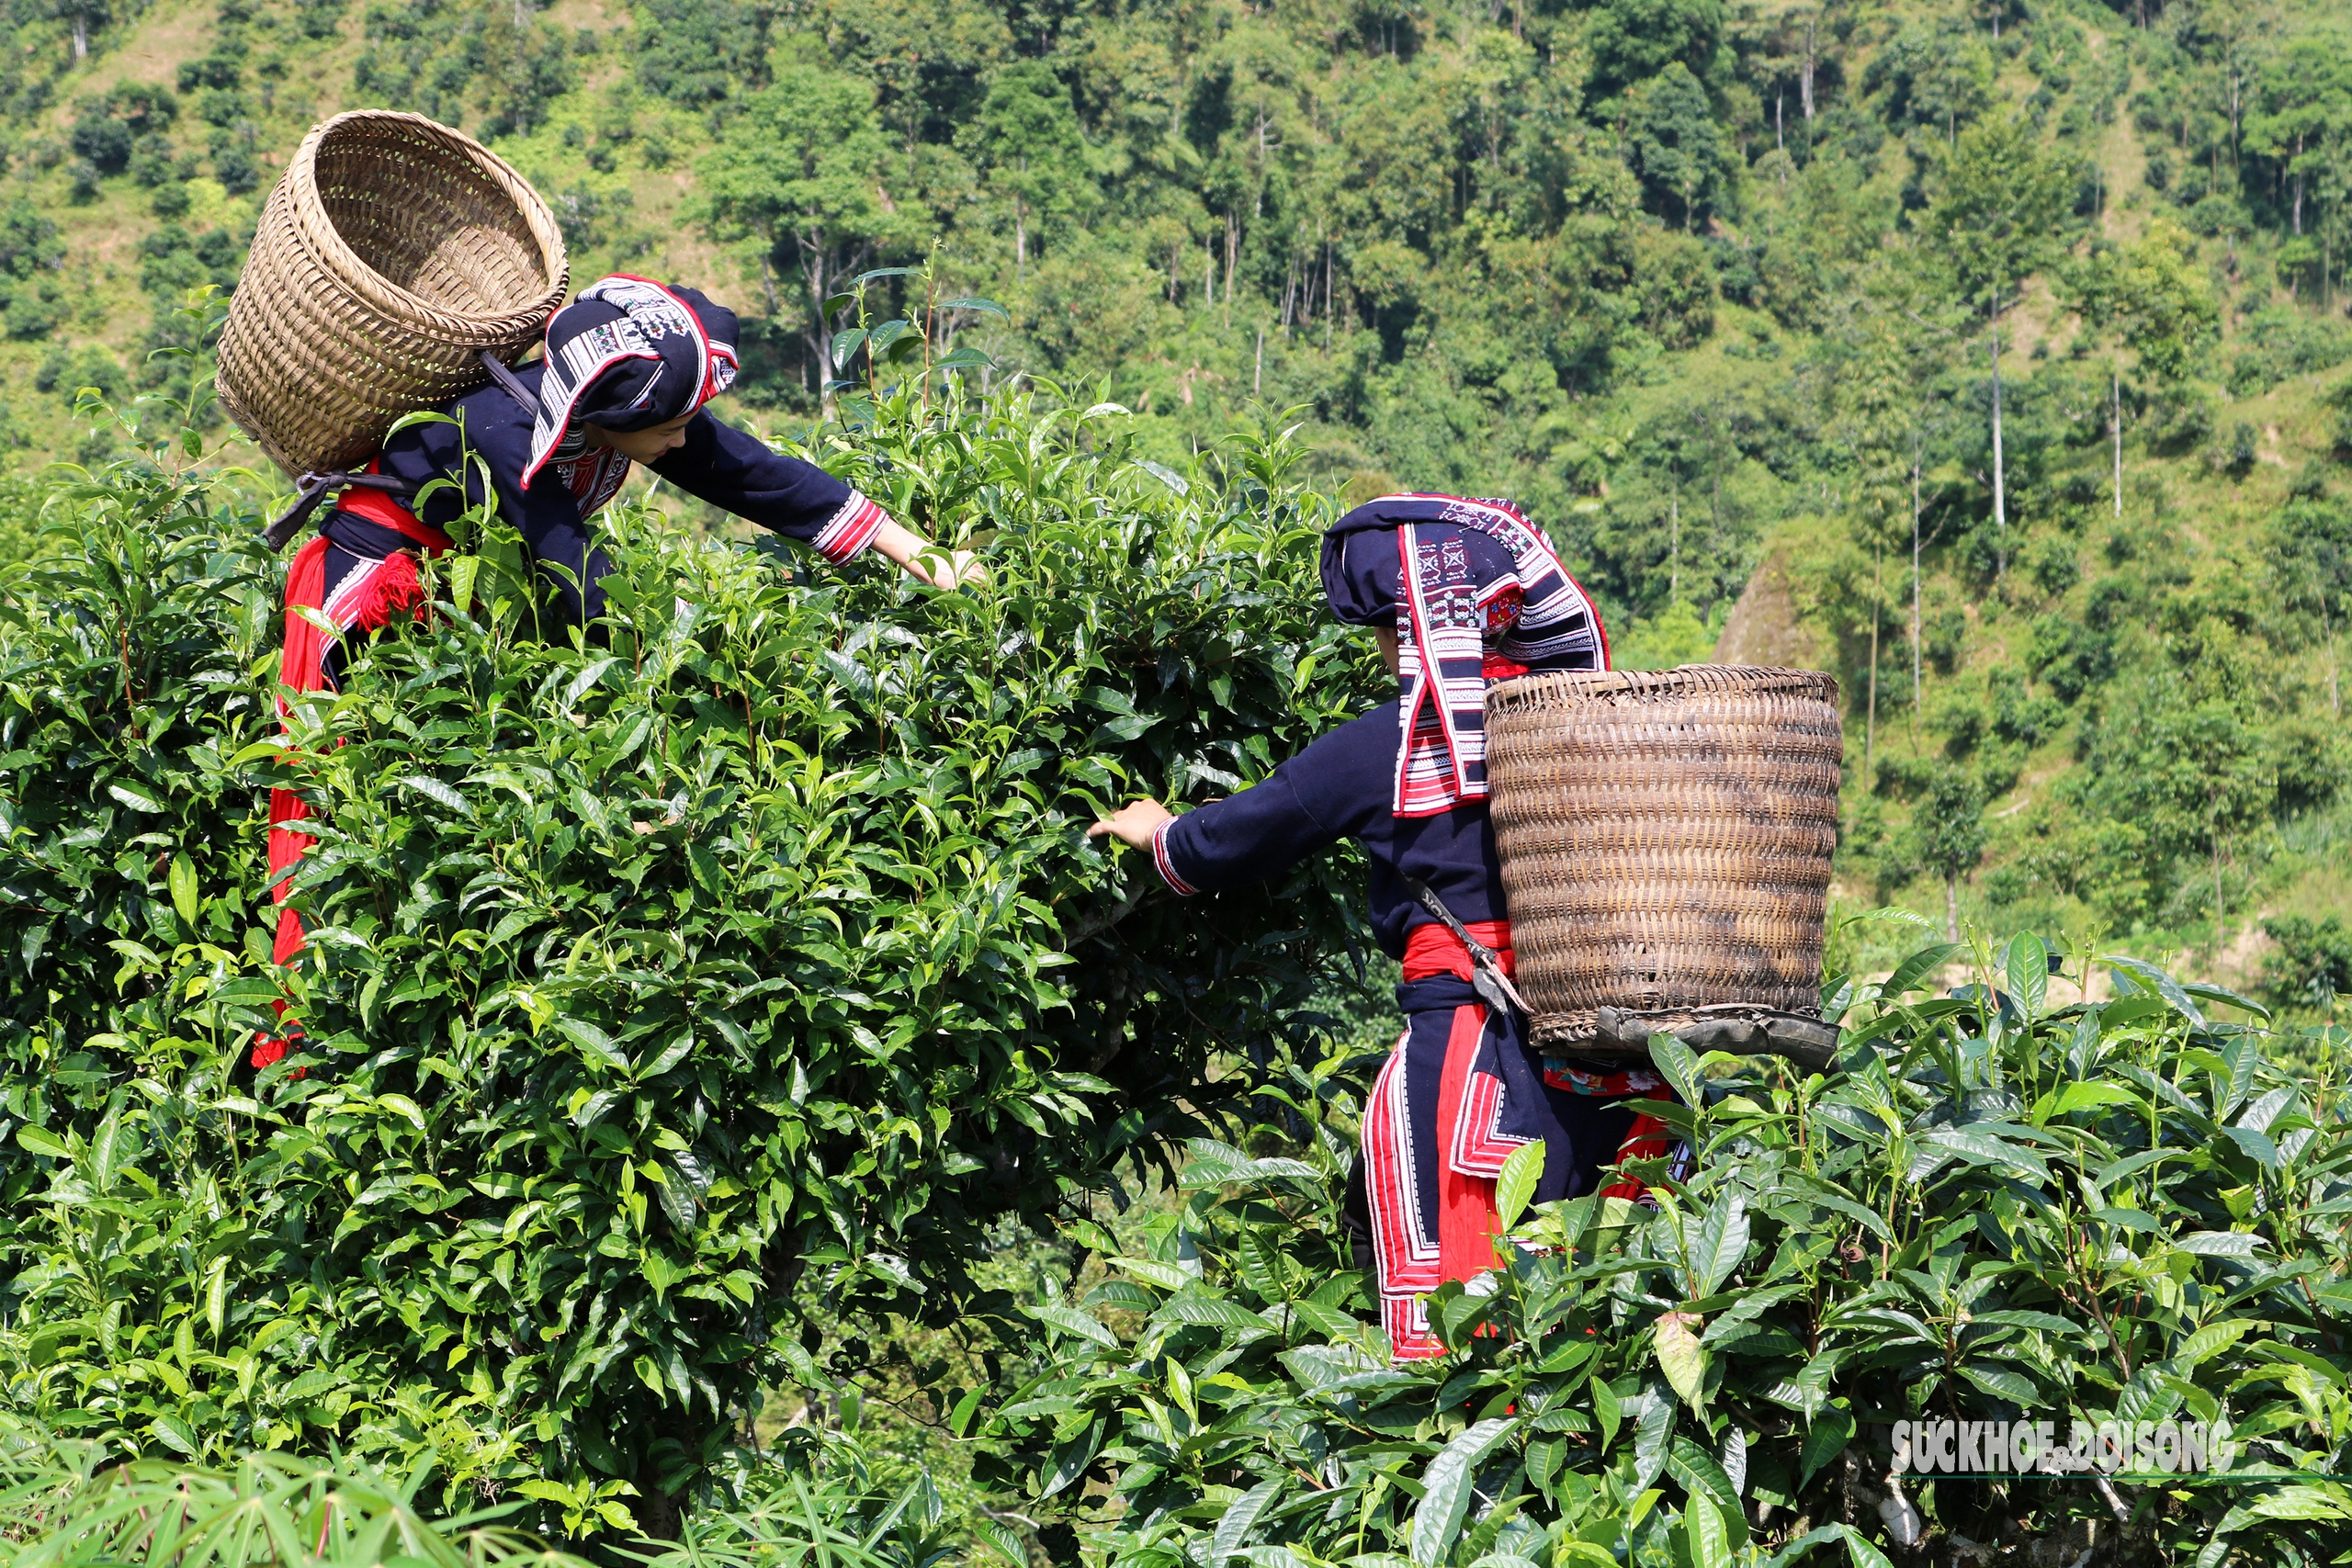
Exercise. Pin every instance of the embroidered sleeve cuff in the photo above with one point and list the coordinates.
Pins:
(1168, 867)
(850, 530)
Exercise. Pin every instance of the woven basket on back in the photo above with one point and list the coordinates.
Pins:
(392, 252)
(1665, 840)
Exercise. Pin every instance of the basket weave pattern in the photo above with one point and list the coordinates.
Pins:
(1665, 838)
(392, 251)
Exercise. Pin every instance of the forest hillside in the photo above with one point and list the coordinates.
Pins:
(1990, 353)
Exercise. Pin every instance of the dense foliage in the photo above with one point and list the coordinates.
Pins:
(755, 933)
(1996, 1207)
(65, 1503)
(1723, 293)
(726, 1001)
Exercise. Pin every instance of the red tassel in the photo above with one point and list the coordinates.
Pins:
(394, 590)
(1648, 1138)
(270, 1049)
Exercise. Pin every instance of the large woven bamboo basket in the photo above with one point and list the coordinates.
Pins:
(1664, 840)
(391, 253)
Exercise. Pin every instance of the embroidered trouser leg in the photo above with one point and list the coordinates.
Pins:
(350, 592)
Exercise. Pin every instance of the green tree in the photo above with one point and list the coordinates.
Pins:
(497, 68)
(1941, 77)
(2313, 964)
(1026, 140)
(28, 242)
(1876, 420)
(2152, 299)
(1675, 140)
(80, 15)
(2310, 558)
(1946, 833)
(2309, 95)
(699, 51)
(2196, 772)
(1997, 222)
(1635, 41)
(799, 174)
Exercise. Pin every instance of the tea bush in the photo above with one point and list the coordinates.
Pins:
(754, 930)
(1995, 1208)
(65, 1504)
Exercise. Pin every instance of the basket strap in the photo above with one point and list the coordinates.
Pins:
(311, 489)
(1487, 970)
(504, 376)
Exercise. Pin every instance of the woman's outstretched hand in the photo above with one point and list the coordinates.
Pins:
(1132, 824)
(928, 564)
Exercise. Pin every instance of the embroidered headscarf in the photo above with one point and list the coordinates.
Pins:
(1477, 594)
(628, 354)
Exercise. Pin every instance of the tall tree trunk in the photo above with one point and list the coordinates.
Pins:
(1804, 79)
(2115, 429)
(1870, 720)
(2213, 834)
(2335, 689)
(1952, 906)
(2237, 87)
(1674, 551)
(1232, 254)
(1915, 573)
(1258, 376)
(2001, 479)
(80, 38)
(813, 269)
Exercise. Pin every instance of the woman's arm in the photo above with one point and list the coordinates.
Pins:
(928, 564)
(1243, 838)
(1132, 824)
(738, 472)
(1332, 790)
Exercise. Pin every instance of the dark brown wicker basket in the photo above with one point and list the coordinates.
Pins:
(393, 253)
(1665, 840)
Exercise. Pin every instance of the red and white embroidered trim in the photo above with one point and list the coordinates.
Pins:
(1406, 1269)
(1176, 883)
(851, 529)
(1480, 1146)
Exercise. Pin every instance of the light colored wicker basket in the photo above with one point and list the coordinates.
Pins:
(391, 253)
(1664, 840)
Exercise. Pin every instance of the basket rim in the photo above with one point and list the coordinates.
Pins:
(1684, 679)
(317, 230)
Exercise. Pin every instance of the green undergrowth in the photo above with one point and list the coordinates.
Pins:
(1677, 280)
(726, 1001)
(63, 1504)
(751, 937)
(1999, 1206)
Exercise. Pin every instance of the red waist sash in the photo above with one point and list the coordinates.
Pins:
(376, 507)
(1433, 949)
